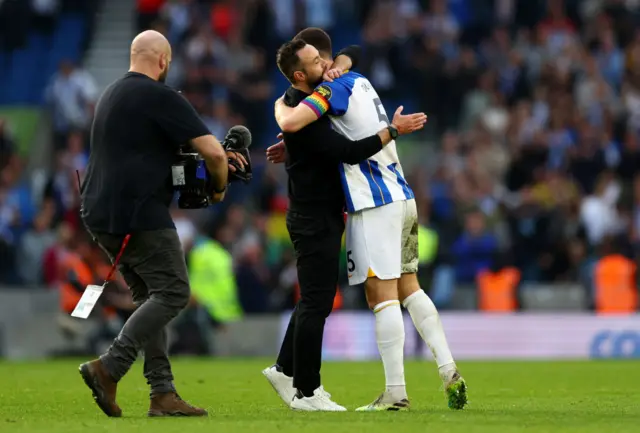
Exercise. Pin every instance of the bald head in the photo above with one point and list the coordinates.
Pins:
(151, 55)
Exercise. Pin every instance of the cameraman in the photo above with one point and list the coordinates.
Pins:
(138, 128)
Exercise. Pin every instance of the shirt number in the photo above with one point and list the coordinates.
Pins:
(382, 116)
(351, 265)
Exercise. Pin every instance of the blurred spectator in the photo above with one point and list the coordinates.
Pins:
(213, 283)
(179, 15)
(34, 243)
(382, 63)
(7, 145)
(475, 248)
(9, 219)
(71, 96)
(214, 301)
(18, 200)
(148, 12)
(598, 211)
(610, 59)
(253, 278)
(53, 256)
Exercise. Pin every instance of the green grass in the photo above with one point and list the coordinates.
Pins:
(505, 397)
(23, 122)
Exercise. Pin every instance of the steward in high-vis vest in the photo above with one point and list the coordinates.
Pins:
(498, 287)
(76, 274)
(212, 280)
(616, 290)
(427, 245)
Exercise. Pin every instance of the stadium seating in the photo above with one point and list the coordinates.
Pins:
(26, 71)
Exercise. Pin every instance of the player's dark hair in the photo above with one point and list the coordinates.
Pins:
(287, 58)
(318, 38)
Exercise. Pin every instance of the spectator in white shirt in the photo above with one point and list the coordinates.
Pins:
(71, 95)
(598, 212)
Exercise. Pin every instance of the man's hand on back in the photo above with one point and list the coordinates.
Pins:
(332, 73)
(408, 123)
(277, 153)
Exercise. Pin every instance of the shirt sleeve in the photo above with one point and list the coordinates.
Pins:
(354, 52)
(330, 143)
(177, 118)
(329, 98)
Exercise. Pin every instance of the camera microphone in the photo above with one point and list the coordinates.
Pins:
(238, 138)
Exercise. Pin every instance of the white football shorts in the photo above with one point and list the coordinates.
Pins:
(382, 242)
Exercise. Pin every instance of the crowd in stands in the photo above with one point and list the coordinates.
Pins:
(530, 161)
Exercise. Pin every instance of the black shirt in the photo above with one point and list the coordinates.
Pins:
(314, 155)
(138, 127)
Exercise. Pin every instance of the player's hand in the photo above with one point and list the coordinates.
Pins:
(332, 74)
(408, 123)
(277, 153)
(240, 160)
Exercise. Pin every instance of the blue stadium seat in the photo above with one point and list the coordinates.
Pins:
(20, 78)
(28, 70)
(68, 38)
(4, 84)
(39, 46)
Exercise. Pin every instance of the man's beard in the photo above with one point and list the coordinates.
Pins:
(313, 83)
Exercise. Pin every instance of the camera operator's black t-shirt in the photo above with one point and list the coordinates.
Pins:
(138, 127)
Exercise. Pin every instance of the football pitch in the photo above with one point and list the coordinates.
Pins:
(590, 396)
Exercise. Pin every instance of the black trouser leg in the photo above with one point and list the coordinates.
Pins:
(285, 357)
(157, 261)
(317, 243)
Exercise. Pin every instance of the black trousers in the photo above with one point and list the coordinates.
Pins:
(317, 241)
(154, 267)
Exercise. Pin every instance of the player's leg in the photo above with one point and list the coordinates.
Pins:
(382, 298)
(423, 312)
(373, 244)
(426, 319)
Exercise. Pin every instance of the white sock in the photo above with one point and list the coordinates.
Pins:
(426, 319)
(390, 339)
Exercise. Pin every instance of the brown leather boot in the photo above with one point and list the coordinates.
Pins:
(102, 386)
(170, 404)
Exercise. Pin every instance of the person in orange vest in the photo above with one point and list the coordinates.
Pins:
(85, 264)
(76, 275)
(498, 286)
(615, 282)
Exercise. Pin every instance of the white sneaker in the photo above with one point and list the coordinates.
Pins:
(320, 402)
(281, 383)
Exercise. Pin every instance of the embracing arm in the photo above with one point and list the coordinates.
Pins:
(348, 58)
(338, 147)
(293, 119)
